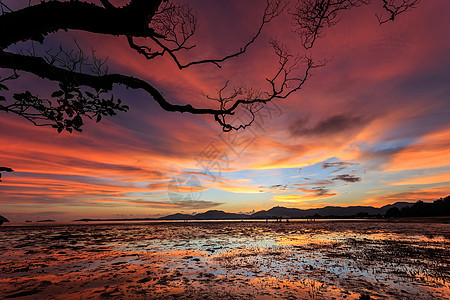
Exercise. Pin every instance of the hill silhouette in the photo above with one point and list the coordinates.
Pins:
(440, 207)
(209, 215)
(293, 213)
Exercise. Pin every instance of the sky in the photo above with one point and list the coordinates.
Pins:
(371, 127)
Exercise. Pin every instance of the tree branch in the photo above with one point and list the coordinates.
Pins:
(394, 8)
(167, 24)
(168, 27)
(35, 22)
(39, 67)
(311, 17)
(281, 85)
(107, 4)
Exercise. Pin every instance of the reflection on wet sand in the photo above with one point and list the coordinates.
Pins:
(230, 260)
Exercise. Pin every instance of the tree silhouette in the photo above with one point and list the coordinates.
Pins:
(438, 208)
(5, 169)
(152, 28)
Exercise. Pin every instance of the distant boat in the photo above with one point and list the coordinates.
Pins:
(3, 219)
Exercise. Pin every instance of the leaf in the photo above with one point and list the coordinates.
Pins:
(77, 121)
(3, 87)
(57, 93)
(69, 111)
(99, 118)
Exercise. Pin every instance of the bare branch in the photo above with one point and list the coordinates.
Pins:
(41, 68)
(282, 84)
(311, 17)
(144, 50)
(177, 24)
(287, 79)
(394, 8)
(4, 8)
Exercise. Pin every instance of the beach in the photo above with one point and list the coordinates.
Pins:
(230, 260)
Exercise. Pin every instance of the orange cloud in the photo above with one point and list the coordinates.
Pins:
(367, 97)
(425, 194)
(431, 151)
(311, 195)
(418, 180)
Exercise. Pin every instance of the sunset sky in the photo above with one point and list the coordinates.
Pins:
(371, 127)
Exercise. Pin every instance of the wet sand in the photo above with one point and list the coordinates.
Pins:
(227, 260)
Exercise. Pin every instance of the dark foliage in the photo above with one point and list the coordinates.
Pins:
(439, 208)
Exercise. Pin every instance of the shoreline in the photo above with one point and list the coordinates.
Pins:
(425, 220)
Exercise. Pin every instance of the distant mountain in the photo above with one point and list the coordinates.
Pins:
(177, 216)
(209, 215)
(279, 211)
(441, 205)
(335, 211)
(285, 212)
(122, 219)
(219, 215)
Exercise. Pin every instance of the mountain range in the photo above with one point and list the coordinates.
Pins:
(285, 212)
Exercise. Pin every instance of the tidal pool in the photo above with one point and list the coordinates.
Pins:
(228, 260)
